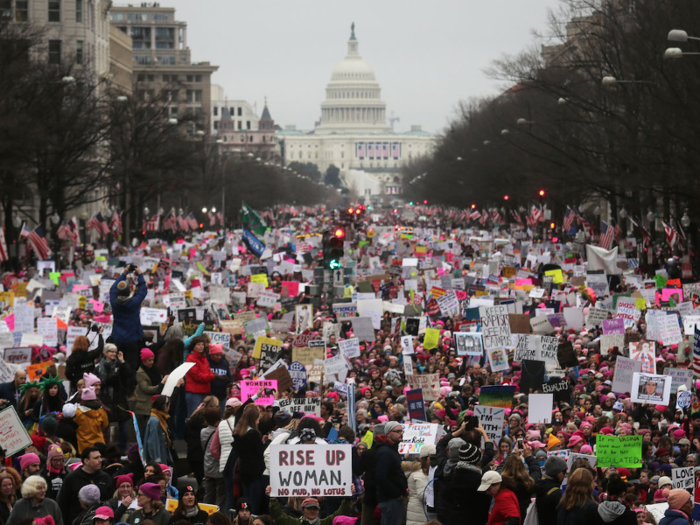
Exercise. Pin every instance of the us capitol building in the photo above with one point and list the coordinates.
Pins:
(353, 134)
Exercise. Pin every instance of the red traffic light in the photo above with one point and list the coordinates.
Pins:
(425, 202)
(541, 193)
(552, 225)
(350, 210)
(473, 206)
(358, 211)
(339, 233)
(505, 197)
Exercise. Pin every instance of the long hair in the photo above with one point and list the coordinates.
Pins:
(207, 402)
(579, 491)
(174, 349)
(514, 474)
(81, 344)
(13, 475)
(249, 418)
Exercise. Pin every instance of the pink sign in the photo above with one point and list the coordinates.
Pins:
(523, 282)
(248, 388)
(10, 321)
(614, 326)
(292, 287)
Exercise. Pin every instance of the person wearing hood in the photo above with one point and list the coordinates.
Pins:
(198, 378)
(548, 489)
(462, 483)
(54, 472)
(680, 507)
(368, 465)
(188, 509)
(127, 331)
(89, 415)
(391, 482)
(613, 510)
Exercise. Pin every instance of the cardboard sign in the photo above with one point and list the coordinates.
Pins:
(13, 437)
(683, 478)
(307, 355)
(267, 351)
(619, 451)
(310, 471)
(283, 378)
(35, 372)
(429, 383)
(495, 326)
(625, 369)
(415, 435)
(350, 348)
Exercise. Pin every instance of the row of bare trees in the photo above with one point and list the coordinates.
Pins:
(596, 113)
(67, 139)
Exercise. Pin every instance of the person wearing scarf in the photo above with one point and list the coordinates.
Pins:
(149, 383)
(157, 441)
(54, 472)
(188, 509)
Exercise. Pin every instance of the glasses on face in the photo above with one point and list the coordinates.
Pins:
(57, 460)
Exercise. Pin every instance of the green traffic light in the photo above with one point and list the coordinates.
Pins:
(335, 263)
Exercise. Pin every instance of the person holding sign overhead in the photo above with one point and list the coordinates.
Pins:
(310, 510)
(127, 331)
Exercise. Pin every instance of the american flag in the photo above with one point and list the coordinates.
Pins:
(496, 215)
(220, 217)
(68, 231)
(99, 223)
(586, 226)
(696, 353)
(37, 239)
(671, 235)
(153, 224)
(646, 236)
(25, 231)
(169, 221)
(192, 221)
(569, 217)
(517, 217)
(115, 223)
(4, 255)
(475, 215)
(607, 233)
(212, 219)
(182, 223)
(618, 232)
(537, 215)
(484, 217)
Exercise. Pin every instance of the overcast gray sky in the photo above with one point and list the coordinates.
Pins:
(427, 55)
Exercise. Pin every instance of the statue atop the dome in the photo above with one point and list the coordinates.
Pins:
(352, 31)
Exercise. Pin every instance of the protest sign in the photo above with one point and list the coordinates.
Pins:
(297, 371)
(267, 299)
(307, 355)
(344, 311)
(614, 326)
(415, 435)
(610, 341)
(36, 371)
(679, 376)
(429, 383)
(683, 478)
(469, 343)
(310, 470)
(336, 366)
(267, 351)
(669, 329)
(547, 348)
(525, 347)
(13, 437)
(350, 348)
(497, 396)
(281, 375)
(248, 388)
(627, 311)
(491, 418)
(407, 345)
(625, 368)
(619, 451)
(310, 405)
(219, 338)
(174, 377)
(153, 316)
(416, 405)
(595, 318)
(17, 355)
(363, 329)
(558, 387)
(256, 327)
(432, 338)
(643, 351)
(449, 305)
(540, 408)
(48, 328)
(498, 359)
(566, 355)
(495, 327)
(541, 325)
(651, 388)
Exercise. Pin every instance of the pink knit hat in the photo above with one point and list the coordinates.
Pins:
(28, 459)
(91, 379)
(146, 354)
(676, 498)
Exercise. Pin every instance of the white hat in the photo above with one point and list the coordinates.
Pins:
(664, 480)
(490, 478)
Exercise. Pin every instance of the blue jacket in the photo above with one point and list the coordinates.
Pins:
(154, 443)
(126, 327)
(10, 393)
(218, 386)
(674, 517)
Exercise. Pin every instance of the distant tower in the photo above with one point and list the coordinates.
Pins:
(266, 123)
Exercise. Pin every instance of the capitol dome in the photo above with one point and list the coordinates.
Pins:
(353, 97)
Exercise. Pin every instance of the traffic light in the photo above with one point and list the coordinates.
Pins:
(552, 225)
(541, 196)
(333, 249)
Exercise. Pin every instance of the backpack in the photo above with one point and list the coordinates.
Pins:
(531, 518)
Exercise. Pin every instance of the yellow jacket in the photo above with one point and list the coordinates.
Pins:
(91, 422)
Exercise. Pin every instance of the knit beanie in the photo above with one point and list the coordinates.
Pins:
(389, 426)
(454, 446)
(146, 354)
(89, 494)
(151, 490)
(553, 466)
(676, 498)
(468, 453)
(28, 459)
(379, 430)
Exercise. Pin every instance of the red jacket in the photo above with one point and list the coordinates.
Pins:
(506, 506)
(198, 378)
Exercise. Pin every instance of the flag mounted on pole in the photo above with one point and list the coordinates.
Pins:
(252, 220)
(115, 223)
(671, 234)
(569, 217)
(192, 221)
(37, 239)
(252, 242)
(607, 233)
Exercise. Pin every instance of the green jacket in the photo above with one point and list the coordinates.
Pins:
(283, 519)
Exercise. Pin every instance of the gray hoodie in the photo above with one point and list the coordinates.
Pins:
(453, 448)
(609, 511)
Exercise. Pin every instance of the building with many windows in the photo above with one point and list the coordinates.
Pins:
(353, 133)
(161, 60)
(240, 112)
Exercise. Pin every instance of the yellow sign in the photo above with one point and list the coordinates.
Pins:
(82, 302)
(259, 278)
(188, 294)
(557, 276)
(202, 268)
(432, 338)
(20, 289)
(172, 504)
(508, 272)
(368, 439)
(641, 303)
(8, 298)
(370, 234)
(264, 341)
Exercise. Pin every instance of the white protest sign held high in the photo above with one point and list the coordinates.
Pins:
(307, 406)
(174, 377)
(310, 471)
(683, 478)
(491, 418)
(540, 408)
(350, 348)
(624, 370)
(219, 338)
(267, 299)
(651, 388)
(415, 435)
(495, 326)
(153, 316)
(627, 310)
(407, 345)
(525, 347)
(669, 329)
(547, 349)
(48, 327)
(13, 437)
